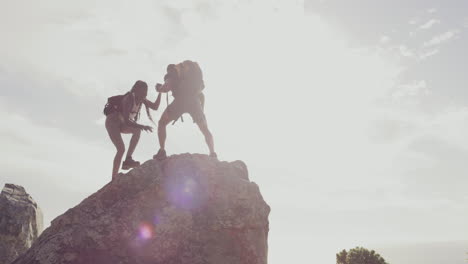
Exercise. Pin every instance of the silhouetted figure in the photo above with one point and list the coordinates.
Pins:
(122, 113)
(185, 80)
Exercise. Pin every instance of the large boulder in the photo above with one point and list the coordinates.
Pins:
(20, 222)
(185, 209)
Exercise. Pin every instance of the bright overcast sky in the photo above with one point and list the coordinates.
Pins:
(351, 115)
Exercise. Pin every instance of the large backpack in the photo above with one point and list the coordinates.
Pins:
(189, 79)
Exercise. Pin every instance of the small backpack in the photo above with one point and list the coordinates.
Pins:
(114, 104)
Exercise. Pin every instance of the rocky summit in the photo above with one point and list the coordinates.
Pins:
(20, 222)
(187, 209)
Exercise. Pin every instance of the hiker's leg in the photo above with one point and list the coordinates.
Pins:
(162, 124)
(113, 129)
(166, 118)
(203, 125)
(198, 116)
(133, 141)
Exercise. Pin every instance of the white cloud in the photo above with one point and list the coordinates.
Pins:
(432, 148)
(429, 24)
(413, 21)
(384, 39)
(415, 88)
(428, 54)
(442, 38)
(432, 10)
(405, 51)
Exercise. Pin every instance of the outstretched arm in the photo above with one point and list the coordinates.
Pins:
(154, 105)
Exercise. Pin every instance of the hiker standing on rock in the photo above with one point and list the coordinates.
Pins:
(185, 80)
(122, 113)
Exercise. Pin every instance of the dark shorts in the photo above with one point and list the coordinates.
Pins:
(192, 107)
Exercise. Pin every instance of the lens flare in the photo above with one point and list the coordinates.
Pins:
(185, 193)
(146, 231)
(189, 186)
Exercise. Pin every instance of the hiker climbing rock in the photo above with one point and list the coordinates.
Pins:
(122, 113)
(185, 81)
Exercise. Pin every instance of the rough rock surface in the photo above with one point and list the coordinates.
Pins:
(20, 222)
(185, 209)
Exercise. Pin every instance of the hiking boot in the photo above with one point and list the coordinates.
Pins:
(160, 155)
(214, 155)
(130, 163)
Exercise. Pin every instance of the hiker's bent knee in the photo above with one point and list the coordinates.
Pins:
(137, 132)
(131, 130)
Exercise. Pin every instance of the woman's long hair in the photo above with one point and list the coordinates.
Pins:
(140, 88)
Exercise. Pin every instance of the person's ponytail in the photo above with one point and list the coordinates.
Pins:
(148, 113)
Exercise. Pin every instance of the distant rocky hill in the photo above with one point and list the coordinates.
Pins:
(185, 209)
(20, 222)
